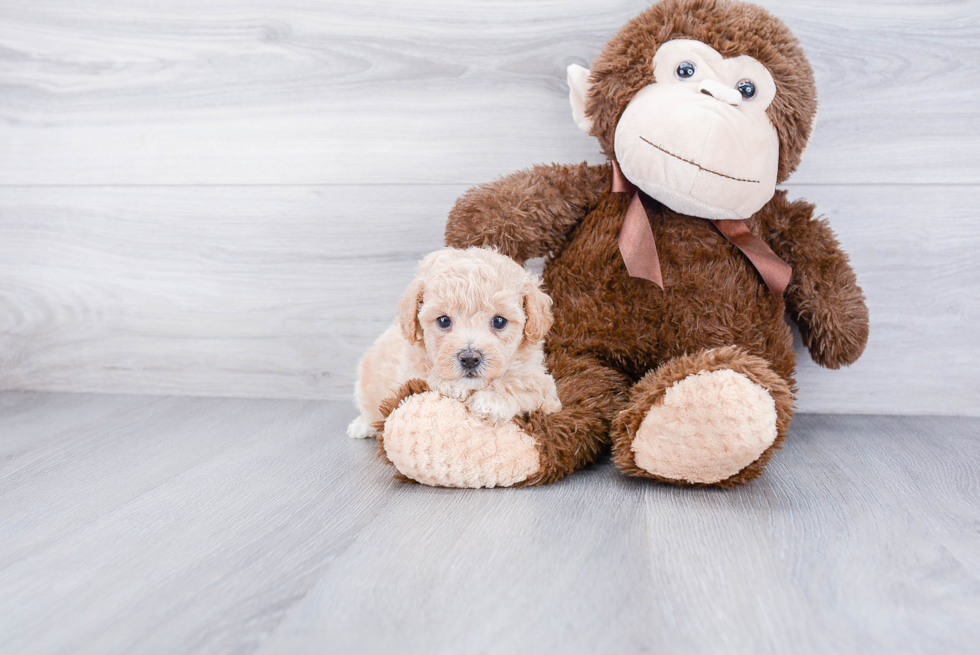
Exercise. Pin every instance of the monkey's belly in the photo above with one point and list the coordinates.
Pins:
(712, 297)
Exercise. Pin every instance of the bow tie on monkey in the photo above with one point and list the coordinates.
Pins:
(698, 139)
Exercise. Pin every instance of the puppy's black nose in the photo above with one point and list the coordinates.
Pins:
(469, 358)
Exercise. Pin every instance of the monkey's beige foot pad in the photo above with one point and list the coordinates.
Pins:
(435, 440)
(708, 427)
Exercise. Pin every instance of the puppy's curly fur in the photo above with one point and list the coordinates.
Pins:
(464, 306)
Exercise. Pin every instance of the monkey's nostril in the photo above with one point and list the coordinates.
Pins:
(469, 358)
(719, 91)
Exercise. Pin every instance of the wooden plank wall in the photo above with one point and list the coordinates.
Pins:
(226, 198)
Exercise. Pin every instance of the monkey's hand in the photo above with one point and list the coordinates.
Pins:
(830, 310)
(823, 296)
(528, 213)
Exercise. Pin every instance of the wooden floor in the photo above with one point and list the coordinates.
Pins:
(141, 524)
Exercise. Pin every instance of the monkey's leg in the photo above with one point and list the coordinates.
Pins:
(591, 394)
(436, 441)
(712, 418)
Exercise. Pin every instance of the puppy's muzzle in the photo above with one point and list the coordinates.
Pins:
(469, 359)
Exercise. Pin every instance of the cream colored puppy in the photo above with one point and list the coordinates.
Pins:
(471, 324)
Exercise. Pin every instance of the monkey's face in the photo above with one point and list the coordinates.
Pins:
(699, 139)
(698, 121)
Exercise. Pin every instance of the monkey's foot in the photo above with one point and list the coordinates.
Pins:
(711, 419)
(435, 440)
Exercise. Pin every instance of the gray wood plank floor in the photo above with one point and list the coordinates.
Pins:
(141, 524)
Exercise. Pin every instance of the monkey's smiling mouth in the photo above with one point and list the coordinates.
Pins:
(700, 167)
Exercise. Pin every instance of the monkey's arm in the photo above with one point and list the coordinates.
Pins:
(823, 296)
(528, 213)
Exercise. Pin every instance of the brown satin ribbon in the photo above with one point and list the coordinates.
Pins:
(773, 270)
(636, 242)
(639, 249)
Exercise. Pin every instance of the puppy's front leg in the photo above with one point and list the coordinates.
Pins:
(493, 406)
(502, 402)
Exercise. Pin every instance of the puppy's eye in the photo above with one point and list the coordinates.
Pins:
(498, 322)
(444, 322)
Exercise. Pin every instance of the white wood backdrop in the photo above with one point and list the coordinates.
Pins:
(226, 198)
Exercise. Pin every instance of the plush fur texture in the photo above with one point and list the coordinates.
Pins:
(688, 456)
(619, 343)
(433, 439)
(390, 404)
(706, 428)
(469, 290)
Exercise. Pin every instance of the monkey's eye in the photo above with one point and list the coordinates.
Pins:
(746, 88)
(498, 322)
(685, 70)
(444, 322)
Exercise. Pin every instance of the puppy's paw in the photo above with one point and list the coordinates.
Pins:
(360, 429)
(551, 404)
(492, 407)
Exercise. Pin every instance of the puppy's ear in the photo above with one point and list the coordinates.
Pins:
(408, 312)
(537, 312)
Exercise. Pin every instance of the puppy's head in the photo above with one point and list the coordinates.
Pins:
(474, 311)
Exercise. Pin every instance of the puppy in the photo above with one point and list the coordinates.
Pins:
(471, 325)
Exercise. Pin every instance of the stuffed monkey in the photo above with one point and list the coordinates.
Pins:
(671, 267)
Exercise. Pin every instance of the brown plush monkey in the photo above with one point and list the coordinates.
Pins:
(671, 267)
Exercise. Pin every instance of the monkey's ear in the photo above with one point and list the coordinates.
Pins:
(578, 91)
(537, 313)
(408, 312)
